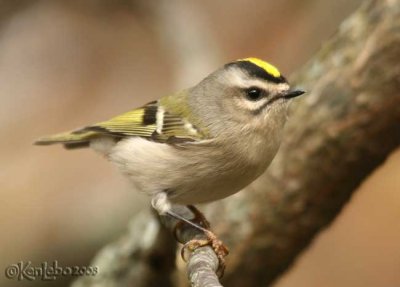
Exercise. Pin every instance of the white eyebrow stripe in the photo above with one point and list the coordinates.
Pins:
(243, 81)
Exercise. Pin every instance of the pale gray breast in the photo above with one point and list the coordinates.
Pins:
(194, 173)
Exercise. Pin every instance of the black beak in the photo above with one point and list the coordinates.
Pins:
(293, 94)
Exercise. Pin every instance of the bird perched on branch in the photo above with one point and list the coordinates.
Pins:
(200, 144)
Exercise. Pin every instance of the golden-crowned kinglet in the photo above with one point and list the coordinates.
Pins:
(200, 144)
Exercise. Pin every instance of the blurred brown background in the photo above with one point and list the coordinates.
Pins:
(64, 64)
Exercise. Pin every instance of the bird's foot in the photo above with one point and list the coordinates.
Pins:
(201, 223)
(212, 240)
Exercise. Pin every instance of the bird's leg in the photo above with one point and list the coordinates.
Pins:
(199, 217)
(201, 223)
(161, 203)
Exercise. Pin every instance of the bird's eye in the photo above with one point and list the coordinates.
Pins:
(254, 94)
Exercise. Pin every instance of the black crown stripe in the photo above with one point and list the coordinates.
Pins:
(256, 71)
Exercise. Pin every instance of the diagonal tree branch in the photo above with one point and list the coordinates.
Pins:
(336, 136)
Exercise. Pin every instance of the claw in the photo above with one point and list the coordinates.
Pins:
(217, 245)
(191, 246)
(201, 223)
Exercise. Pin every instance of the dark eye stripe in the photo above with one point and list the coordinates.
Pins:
(263, 106)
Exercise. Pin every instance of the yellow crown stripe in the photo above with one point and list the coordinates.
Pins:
(270, 69)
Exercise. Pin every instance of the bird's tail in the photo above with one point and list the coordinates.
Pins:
(70, 140)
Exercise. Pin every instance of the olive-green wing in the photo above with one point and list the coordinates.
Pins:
(139, 122)
(151, 121)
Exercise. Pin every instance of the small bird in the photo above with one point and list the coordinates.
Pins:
(200, 144)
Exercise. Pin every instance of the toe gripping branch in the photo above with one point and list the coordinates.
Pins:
(205, 238)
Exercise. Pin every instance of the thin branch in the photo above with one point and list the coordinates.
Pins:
(202, 267)
(203, 264)
(145, 256)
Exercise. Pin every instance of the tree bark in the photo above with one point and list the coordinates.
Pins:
(337, 134)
